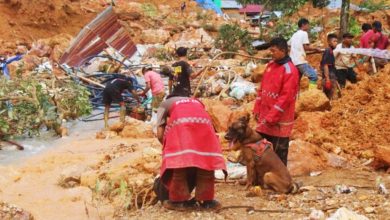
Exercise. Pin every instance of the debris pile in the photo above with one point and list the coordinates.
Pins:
(350, 123)
(8, 211)
(125, 176)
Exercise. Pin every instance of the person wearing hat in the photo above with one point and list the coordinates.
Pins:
(154, 83)
(344, 63)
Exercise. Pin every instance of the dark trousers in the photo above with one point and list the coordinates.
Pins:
(345, 74)
(181, 182)
(280, 145)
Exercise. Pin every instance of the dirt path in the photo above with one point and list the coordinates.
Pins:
(34, 187)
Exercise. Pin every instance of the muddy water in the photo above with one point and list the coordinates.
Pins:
(47, 140)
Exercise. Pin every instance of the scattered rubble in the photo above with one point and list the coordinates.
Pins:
(8, 211)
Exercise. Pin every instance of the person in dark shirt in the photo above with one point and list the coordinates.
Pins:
(179, 79)
(113, 93)
(329, 80)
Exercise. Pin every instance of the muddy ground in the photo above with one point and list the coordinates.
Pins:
(34, 186)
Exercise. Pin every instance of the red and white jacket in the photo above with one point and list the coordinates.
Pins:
(275, 102)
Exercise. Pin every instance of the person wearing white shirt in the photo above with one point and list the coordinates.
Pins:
(299, 44)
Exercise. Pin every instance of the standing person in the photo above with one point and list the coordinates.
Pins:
(345, 62)
(275, 102)
(155, 83)
(300, 43)
(191, 153)
(113, 93)
(4, 64)
(179, 80)
(329, 80)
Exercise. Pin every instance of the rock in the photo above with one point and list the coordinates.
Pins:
(71, 176)
(192, 39)
(308, 127)
(300, 152)
(117, 127)
(312, 100)
(344, 213)
(89, 179)
(155, 36)
(382, 156)
(8, 211)
(130, 16)
(369, 210)
(136, 129)
(106, 134)
(317, 215)
(220, 114)
(257, 73)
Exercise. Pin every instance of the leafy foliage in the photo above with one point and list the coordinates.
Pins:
(283, 29)
(372, 5)
(149, 10)
(27, 105)
(231, 38)
(354, 26)
(320, 3)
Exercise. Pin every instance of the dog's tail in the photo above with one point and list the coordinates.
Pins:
(295, 187)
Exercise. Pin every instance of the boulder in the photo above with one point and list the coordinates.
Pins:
(192, 38)
(220, 114)
(312, 100)
(382, 156)
(305, 157)
(136, 129)
(155, 36)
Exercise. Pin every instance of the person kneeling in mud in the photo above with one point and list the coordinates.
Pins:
(113, 93)
(191, 154)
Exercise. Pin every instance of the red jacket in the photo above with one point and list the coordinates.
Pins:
(275, 102)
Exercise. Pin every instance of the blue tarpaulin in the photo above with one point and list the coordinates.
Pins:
(209, 4)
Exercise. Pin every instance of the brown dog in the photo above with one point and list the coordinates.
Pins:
(264, 167)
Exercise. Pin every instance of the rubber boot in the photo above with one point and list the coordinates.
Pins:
(122, 114)
(106, 112)
(312, 85)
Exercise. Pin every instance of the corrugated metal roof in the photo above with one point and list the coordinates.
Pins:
(230, 4)
(252, 9)
(104, 31)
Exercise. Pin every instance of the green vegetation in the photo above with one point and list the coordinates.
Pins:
(231, 38)
(372, 5)
(149, 10)
(29, 104)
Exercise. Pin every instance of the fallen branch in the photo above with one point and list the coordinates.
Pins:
(18, 98)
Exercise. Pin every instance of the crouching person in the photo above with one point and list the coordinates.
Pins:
(191, 153)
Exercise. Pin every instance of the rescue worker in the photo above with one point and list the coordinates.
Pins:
(275, 103)
(191, 153)
(113, 93)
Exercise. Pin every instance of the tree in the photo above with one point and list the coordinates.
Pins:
(344, 17)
